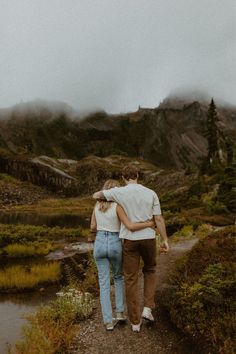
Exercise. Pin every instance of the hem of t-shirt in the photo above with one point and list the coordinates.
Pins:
(136, 238)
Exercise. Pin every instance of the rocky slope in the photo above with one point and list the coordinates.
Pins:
(81, 178)
(14, 192)
(165, 136)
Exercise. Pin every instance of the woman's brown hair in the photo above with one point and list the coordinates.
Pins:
(104, 205)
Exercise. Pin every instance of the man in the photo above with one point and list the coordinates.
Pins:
(140, 204)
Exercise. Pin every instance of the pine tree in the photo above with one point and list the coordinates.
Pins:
(212, 134)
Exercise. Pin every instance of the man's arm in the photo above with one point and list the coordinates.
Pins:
(99, 195)
(160, 223)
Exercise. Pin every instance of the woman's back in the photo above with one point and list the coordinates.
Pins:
(107, 220)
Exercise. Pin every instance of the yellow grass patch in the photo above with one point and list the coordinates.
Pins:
(21, 277)
(32, 249)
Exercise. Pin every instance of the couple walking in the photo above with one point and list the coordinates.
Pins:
(124, 219)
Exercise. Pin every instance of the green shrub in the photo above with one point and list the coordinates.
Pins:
(217, 208)
(205, 308)
(203, 230)
(201, 297)
(198, 188)
(166, 197)
(185, 232)
(227, 189)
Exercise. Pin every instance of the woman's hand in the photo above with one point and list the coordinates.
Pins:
(151, 223)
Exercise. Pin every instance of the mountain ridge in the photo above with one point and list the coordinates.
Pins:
(172, 137)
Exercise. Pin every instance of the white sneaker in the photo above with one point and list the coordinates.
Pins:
(110, 326)
(136, 327)
(147, 314)
(121, 317)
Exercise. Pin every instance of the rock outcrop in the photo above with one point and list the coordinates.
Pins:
(83, 177)
(40, 173)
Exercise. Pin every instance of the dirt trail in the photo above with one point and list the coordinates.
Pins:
(159, 338)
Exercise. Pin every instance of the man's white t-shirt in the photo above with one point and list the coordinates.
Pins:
(140, 204)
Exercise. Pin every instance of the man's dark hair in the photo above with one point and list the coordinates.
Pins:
(130, 172)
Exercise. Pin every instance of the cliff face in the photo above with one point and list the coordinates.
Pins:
(167, 137)
(39, 172)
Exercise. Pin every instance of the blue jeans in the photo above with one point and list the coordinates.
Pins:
(108, 251)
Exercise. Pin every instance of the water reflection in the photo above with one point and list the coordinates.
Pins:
(51, 220)
(13, 308)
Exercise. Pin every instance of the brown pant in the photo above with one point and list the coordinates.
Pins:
(132, 252)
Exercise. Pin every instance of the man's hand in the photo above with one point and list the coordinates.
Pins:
(164, 247)
(99, 195)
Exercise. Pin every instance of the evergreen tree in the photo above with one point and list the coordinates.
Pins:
(212, 134)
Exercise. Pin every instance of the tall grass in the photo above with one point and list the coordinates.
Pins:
(31, 249)
(20, 277)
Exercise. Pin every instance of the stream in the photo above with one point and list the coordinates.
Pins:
(13, 307)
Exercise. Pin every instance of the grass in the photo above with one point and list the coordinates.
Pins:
(20, 277)
(26, 234)
(9, 179)
(30, 249)
(52, 329)
(81, 206)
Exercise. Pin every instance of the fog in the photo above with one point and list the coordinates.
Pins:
(116, 54)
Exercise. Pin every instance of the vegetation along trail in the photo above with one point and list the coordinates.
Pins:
(161, 337)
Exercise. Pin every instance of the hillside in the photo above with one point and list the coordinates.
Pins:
(80, 178)
(168, 137)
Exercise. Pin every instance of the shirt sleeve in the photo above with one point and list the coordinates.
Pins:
(156, 209)
(113, 194)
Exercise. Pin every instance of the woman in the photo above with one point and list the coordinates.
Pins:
(105, 222)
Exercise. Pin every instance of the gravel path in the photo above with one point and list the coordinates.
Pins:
(159, 338)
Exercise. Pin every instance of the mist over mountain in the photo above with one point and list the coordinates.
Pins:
(36, 107)
(171, 135)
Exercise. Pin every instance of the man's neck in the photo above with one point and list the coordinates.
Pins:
(132, 181)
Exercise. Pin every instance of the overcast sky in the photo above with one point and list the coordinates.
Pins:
(116, 54)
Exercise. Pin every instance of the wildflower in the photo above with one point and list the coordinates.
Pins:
(60, 293)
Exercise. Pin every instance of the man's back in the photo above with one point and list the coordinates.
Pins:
(140, 204)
